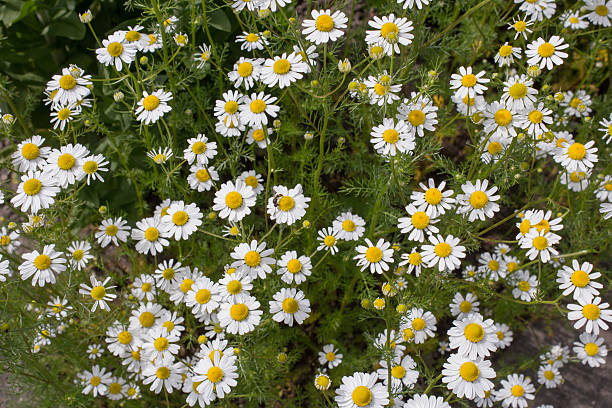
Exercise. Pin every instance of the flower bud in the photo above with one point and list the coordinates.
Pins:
(118, 96)
(344, 66)
(102, 210)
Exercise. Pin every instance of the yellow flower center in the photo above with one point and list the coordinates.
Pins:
(132, 36)
(32, 187)
(494, 148)
(362, 395)
(162, 373)
(146, 319)
(150, 102)
(433, 196)
(500, 335)
(468, 80)
(114, 49)
(151, 234)
(324, 23)
(591, 311)
(408, 334)
(95, 380)
(258, 106)
(536, 116)
(580, 278)
(78, 255)
(442, 249)
(214, 374)
(66, 161)
(505, 50)
(493, 265)
(390, 136)
(90, 167)
(576, 151)
(67, 82)
(258, 135)
(479, 199)
(577, 176)
(198, 147)
(252, 258)
(520, 26)
(601, 10)
(348, 225)
(286, 203)
(549, 375)
(524, 286)
(30, 151)
(330, 356)
(517, 390)
(474, 332)
(465, 306)
(469, 371)
(380, 89)
(294, 266)
(573, 20)
(98, 292)
(231, 107)
(290, 305)
(518, 91)
(418, 324)
(374, 254)
(234, 287)
(202, 175)
(239, 311)
(503, 117)
(546, 50)
(233, 200)
(202, 296)
(281, 66)
(42, 262)
(146, 287)
(186, 285)
(540, 243)
(420, 220)
(329, 240)
(415, 258)
(124, 337)
(398, 372)
(608, 186)
(591, 349)
(180, 218)
(323, 381)
(245, 69)
(511, 266)
(114, 388)
(161, 344)
(136, 355)
(5, 240)
(252, 37)
(416, 117)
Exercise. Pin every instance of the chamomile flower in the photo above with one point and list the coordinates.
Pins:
(606, 129)
(116, 52)
(576, 180)
(251, 41)
(473, 336)
(240, 316)
(294, 268)
(246, 71)
(201, 57)
(591, 350)
(390, 32)
(226, 109)
(144, 288)
(516, 390)
(96, 381)
(496, 146)
(258, 136)
(504, 335)
(577, 104)
(287, 205)
(381, 89)
(289, 305)
(134, 36)
(61, 115)
(92, 166)
(216, 376)
(159, 343)
(492, 266)
(538, 10)
(153, 106)
(145, 317)
(468, 84)
(30, 154)
(328, 238)
(253, 259)
(69, 88)
(163, 373)
(478, 201)
(418, 325)
(518, 93)
(403, 373)
(182, 220)
(506, 55)
(79, 255)
(424, 401)
(549, 376)
(604, 190)
(435, 198)
(149, 235)
(573, 19)
(325, 26)
(535, 119)
(255, 181)
(361, 390)
(309, 55)
(499, 120)
(154, 42)
(200, 150)
(417, 224)
(468, 377)
(203, 297)
(461, 306)
(322, 382)
(120, 340)
(526, 286)
(234, 201)
(540, 244)
(590, 313)
(169, 24)
(330, 356)
(546, 54)
(64, 164)
(234, 287)
(390, 138)
(411, 3)
(444, 252)
(57, 307)
(255, 109)
(349, 226)
(470, 106)
(600, 12)
(414, 260)
(36, 191)
(419, 113)
(181, 39)
(116, 389)
(375, 257)
(579, 280)
(43, 266)
(231, 230)
(169, 274)
(94, 351)
(202, 178)
(98, 292)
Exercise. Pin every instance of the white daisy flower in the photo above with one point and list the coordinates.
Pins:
(35, 191)
(96, 381)
(591, 313)
(64, 164)
(576, 180)
(375, 257)
(499, 120)
(226, 109)
(153, 106)
(202, 178)
(445, 252)
(417, 224)
(468, 84)
(472, 107)
(403, 373)
(389, 138)
(217, 376)
(538, 10)
(591, 350)
(390, 32)
(492, 266)
(134, 37)
(163, 373)
(200, 150)
(158, 344)
(419, 113)
(203, 297)
(255, 109)
(69, 88)
(149, 234)
(234, 287)
(43, 266)
(461, 306)
(202, 56)
(349, 226)
(518, 93)
(473, 336)
(328, 238)
(414, 260)
(526, 286)
(79, 254)
(573, 19)
(240, 317)
(169, 274)
(289, 305)
(600, 12)
(539, 243)
(287, 205)
(506, 55)
(258, 136)
(579, 280)
(477, 200)
(549, 376)
(435, 199)
(61, 115)
(577, 104)
(181, 39)
(520, 26)
(293, 268)
(468, 377)
(535, 119)
(144, 288)
(309, 55)
(154, 42)
(145, 317)
(361, 390)
(330, 356)
(496, 146)
(115, 52)
(606, 129)
(233, 201)
(546, 53)
(516, 390)
(253, 259)
(424, 401)
(116, 389)
(182, 220)
(92, 166)
(380, 89)
(246, 71)
(30, 154)
(322, 382)
(169, 24)
(604, 191)
(418, 325)
(119, 340)
(251, 41)
(283, 70)
(253, 180)
(98, 292)
(504, 335)
(325, 26)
